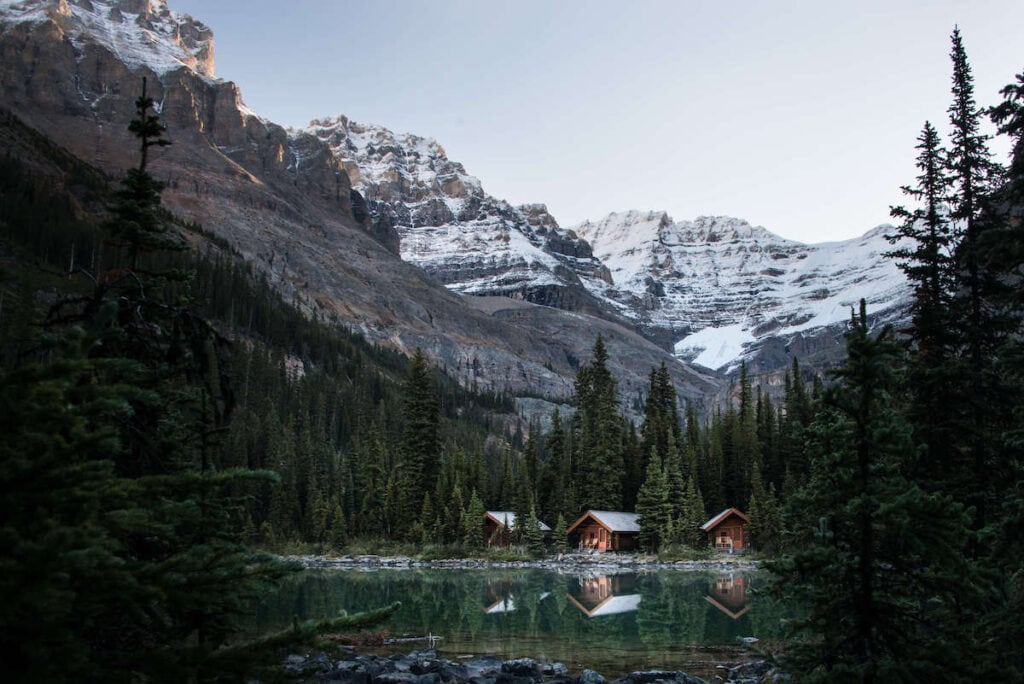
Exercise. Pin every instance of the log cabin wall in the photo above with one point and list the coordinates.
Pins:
(594, 536)
(732, 528)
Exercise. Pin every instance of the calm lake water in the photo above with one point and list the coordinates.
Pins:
(613, 624)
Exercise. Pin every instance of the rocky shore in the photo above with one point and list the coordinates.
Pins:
(424, 667)
(574, 563)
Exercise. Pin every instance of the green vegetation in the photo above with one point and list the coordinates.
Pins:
(122, 557)
(904, 544)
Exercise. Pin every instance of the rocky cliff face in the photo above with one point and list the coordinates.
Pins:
(72, 69)
(720, 290)
(448, 226)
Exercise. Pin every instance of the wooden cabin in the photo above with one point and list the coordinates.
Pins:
(606, 531)
(498, 526)
(727, 531)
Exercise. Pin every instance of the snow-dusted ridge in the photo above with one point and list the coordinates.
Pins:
(722, 286)
(447, 224)
(139, 32)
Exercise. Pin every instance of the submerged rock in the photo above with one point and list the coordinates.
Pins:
(659, 676)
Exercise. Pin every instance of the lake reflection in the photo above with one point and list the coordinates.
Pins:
(606, 595)
(612, 623)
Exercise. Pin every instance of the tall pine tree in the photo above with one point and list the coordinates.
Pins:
(877, 562)
(599, 434)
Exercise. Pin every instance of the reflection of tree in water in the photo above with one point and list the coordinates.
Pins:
(673, 611)
(693, 615)
(654, 619)
(766, 622)
(551, 612)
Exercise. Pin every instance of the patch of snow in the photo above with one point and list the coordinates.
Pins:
(715, 348)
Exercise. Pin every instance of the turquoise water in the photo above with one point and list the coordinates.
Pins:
(613, 624)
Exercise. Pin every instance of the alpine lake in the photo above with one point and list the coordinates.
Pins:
(611, 623)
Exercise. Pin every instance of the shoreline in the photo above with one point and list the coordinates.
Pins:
(604, 563)
(425, 666)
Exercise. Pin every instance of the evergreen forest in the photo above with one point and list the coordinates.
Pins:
(169, 424)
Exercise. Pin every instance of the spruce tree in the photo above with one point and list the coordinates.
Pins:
(560, 535)
(653, 505)
(765, 513)
(693, 515)
(693, 444)
(421, 444)
(927, 260)
(877, 562)
(661, 415)
(796, 415)
(1002, 248)
(533, 536)
(473, 522)
(138, 223)
(973, 174)
(556, 472)
(64, 574)
(599, 434)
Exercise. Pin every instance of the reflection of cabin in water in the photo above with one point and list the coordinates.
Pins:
(498, 596)
(498, 526)
(605, 531)
(502, 605)
(729, 595)
(606, 595)
(727, 531)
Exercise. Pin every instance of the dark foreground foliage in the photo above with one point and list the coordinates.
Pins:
(122, 554)
(905, 545)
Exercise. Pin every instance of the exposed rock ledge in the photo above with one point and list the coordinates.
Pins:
(604, 563)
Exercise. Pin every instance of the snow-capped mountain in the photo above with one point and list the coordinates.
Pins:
(473, 242)
(715, 290)
(139, 32)
(721, 290)
(323, 212)
(283, 201)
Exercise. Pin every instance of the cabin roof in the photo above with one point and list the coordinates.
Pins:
(501, 516)
(616, 521)
(714, 522)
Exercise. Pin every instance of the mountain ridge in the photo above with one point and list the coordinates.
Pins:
(689, 278)
(285, 202)
(324, 210)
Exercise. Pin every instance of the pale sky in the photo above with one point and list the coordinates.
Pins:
(798, 116)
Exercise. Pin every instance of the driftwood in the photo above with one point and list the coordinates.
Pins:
(306, 631)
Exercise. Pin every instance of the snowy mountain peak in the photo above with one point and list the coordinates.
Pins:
(376, 158)
(725, 229)
(141, 33)
(448, 225)
(720, 287)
